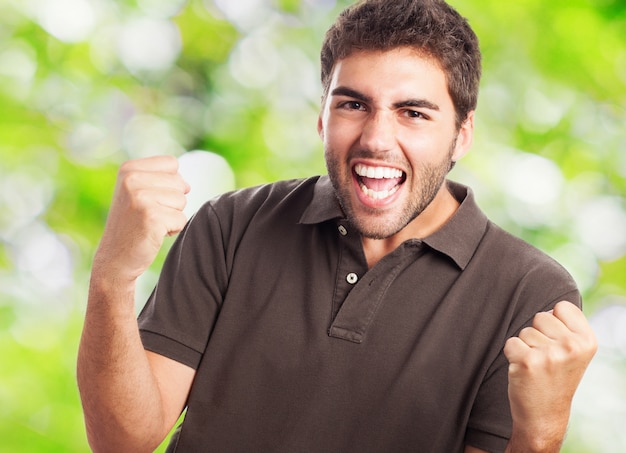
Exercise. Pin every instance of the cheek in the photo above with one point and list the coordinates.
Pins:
(335, 139)
(428, 146)
(337, 129)
(419, 149)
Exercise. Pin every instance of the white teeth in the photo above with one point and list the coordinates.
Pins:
(366, 171)
(378, 195)
(377, 172)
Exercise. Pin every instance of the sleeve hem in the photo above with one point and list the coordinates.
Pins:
(170, 348)
(485, 441)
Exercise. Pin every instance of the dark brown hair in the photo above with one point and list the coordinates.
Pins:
(431, 27)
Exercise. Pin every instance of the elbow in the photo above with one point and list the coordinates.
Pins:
(103, 439)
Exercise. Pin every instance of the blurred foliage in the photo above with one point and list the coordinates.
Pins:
(86, 84)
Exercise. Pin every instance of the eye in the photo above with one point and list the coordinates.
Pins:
(352, 105)
(415, 114)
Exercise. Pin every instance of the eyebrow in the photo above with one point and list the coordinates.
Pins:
(349, 92)
(420, 103)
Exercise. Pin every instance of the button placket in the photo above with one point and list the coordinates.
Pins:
(365, 299)
(351, 265)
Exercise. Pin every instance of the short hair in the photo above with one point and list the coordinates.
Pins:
(431, 27)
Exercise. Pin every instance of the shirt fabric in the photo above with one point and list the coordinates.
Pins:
(299, 347)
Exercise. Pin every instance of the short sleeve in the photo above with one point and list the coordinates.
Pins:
(178, 318)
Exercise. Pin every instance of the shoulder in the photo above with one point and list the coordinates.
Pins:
(244, 204)
(530, 272)
(266, 206)
(266, 196)
(505, 248)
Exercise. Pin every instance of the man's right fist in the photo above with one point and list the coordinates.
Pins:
(147, 205)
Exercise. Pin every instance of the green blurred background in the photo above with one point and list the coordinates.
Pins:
(87, 84)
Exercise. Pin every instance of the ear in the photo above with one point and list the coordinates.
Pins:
(464, 138)
(320, 126)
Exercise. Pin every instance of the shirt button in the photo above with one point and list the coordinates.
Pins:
(352, 278)
(342, 230)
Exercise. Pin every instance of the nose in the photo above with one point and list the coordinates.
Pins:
(379, 132)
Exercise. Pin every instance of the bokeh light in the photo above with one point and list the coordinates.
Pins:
(70, 21)
(147, 44)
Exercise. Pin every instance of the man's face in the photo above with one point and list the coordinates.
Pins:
(388, 127)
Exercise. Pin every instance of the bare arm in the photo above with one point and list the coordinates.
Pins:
(131, 398)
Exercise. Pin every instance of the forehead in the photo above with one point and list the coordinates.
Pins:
(398, 72)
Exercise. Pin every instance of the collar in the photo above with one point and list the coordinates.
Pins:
(458, 238)
(324, 205)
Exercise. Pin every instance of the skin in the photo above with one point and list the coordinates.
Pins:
(384, 109)
(546, 363)
(131, 397)
(392, 110)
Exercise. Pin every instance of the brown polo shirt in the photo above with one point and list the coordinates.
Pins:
(299, 347)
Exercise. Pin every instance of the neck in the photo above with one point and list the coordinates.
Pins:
(438, 212)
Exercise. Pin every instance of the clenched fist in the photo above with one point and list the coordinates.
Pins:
(546, 363)
(147, 205)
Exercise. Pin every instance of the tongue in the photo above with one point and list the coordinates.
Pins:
(378, 185)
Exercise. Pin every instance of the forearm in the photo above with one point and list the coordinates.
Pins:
(547, 440)
(120, 396)
(541, 428)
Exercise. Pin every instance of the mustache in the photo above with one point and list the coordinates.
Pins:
(388, 157)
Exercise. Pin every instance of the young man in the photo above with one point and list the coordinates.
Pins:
(375, 309)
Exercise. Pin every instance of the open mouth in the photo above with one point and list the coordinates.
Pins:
(378, 183)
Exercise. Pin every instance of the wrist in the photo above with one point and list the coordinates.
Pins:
(112, 289)
(547, 438)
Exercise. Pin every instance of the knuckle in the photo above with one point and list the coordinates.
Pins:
(141, 198)
(526, 332)
(578, 346)
(125, 167)
(132, 178)
(541, 318)
(535, 361)
(570, 345)
(128, 181)
(529, 363)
